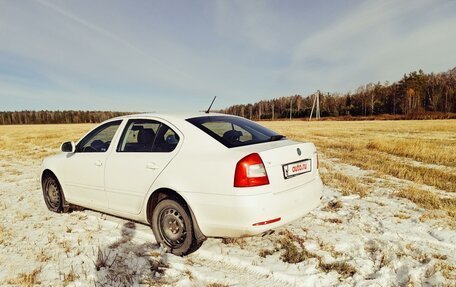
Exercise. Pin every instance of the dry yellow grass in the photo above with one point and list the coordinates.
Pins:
(440, 216)
(401, 215)
(429, 200)
(402, 149)
(69, 277)
(26, 279)
(423, 152)
(373, 160)
(448, 271)
(217, 285)
(346, 184)
(5, 235)
(294, 254)
(333, 206)
(431, 142)
(389, 147)
(43, 256)
(37, 141)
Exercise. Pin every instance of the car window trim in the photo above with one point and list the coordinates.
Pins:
(160, 127)
(95, 131)
(196, 121)
(125, 130)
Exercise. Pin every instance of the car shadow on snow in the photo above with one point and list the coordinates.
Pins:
(126, 263)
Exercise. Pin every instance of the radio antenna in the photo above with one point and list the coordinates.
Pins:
(209, 109)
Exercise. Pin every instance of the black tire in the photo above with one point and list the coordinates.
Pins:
(52, 193)
(172, 225)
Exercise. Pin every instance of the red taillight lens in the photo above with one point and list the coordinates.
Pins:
(267, 221)
(250, 171)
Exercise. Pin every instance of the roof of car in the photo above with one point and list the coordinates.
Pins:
(172, 116)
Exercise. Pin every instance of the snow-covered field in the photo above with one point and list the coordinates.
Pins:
(377, 240)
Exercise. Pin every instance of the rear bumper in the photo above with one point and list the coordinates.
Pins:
(234, 215)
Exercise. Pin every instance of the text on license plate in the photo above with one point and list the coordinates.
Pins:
(296, 168)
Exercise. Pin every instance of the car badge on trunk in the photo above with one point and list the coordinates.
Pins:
(298, 150)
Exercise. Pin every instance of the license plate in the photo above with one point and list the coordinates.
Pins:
(297, 168)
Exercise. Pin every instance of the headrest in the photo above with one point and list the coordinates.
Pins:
(172, 139)
(232, 135)
(146, 136)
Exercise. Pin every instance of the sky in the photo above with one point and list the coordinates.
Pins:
(175, 56)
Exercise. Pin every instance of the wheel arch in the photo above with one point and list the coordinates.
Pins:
(47, 172)
(163, 193)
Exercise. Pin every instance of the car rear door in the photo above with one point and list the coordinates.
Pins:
(145, 148)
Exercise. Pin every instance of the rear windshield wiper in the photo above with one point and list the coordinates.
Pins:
(276, 137)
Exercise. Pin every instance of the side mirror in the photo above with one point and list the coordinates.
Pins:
(68, 147)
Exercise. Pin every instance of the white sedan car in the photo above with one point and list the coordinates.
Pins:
(189, 177)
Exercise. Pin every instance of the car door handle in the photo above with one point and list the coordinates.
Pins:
(98, 163)
(151, 165)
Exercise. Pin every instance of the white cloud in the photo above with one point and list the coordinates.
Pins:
(122, 57)
(366, 45)
(67, 48)
(252, 22)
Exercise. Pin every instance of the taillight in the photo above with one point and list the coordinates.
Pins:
(250, 171)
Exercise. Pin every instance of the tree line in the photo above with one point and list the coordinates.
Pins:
(56, 117)
(416, 93)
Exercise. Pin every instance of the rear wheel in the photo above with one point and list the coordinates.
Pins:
(52, 193)
(173, 227)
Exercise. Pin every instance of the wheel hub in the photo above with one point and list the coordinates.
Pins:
(172, 227)
(53, 194)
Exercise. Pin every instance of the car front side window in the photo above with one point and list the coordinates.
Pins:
(99, 139)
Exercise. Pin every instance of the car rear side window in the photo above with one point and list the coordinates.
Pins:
(234, 131)
(142, 135)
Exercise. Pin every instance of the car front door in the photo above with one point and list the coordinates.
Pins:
(144, 150)
(83, 175)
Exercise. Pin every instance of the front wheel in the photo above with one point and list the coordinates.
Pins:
(52, 193)
(173, 227)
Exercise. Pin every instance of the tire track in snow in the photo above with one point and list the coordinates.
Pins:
(205, 262)
(142, 233)
(240, 272)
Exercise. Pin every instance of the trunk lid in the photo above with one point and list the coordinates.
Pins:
(288, 164)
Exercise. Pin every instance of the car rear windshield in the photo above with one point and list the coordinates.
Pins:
(234, 131)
